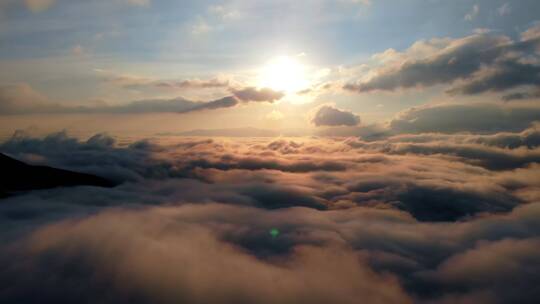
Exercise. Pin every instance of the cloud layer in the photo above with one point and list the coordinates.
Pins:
(406, 218)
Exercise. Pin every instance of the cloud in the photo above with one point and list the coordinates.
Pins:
(203, 160)
(522, 95)
(529, 138)
(38, 5)
(504, 9)
(194, 83)
(245, 94)
(225, 13)
(473, 13)
(492, 158)
(183, 262)
(507, 74)
(78, 50)
(22, 99)
(474, 64)
(363, 2)
(404, 218)
(275, 115)
(490, 265)
(137, 82)
(474, 117)
(254, 94)
(138, 2)
(201, 27)
(226, 102)
(229, 132)
(327, 115)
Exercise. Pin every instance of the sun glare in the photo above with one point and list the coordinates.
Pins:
(284, 74)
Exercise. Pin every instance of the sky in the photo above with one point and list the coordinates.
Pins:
(346, 151)
(98, 56)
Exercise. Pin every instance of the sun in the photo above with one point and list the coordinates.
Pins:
(285, 74)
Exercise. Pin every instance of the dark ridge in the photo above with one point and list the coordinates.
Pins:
(16, 176)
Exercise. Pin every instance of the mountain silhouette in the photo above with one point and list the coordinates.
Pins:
(17, 176)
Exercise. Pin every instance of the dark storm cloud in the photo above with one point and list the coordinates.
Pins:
(400, 219)
(478, 63)
(330, 116)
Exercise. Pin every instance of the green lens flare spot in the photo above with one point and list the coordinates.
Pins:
(274, 232)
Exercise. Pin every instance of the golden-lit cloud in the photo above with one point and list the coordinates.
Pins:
(275, 115)
(138, 2)
(38, 5)
(355, 218)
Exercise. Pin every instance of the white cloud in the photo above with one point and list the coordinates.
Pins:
(363, 2)
(201, 27)
(505, 9)
(473, 13)
(223, 12)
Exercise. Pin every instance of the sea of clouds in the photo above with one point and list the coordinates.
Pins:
(408, 218)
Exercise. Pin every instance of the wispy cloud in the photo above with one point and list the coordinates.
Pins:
(473, 13)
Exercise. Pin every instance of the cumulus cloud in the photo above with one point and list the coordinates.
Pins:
(474, 64)
(505, 75)
(328, 115)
